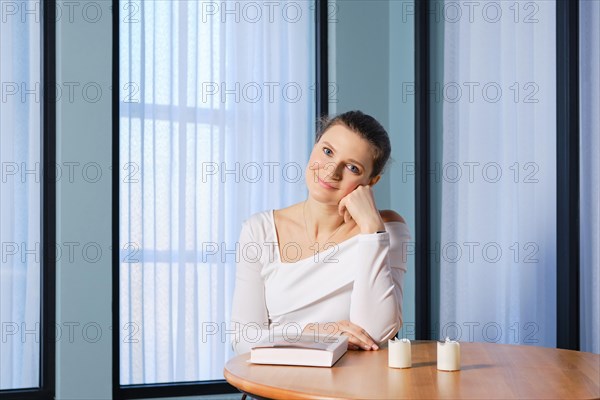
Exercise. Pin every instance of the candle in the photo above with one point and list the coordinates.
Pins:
(448, 355)
(399, 354)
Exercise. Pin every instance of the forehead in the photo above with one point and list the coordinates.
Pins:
(348, 144)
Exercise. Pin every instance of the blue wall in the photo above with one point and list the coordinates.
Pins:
(83, 130)
(372, 66)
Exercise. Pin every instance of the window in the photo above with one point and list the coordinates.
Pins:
(27, 199)
(486, 133)
(217, 115)
(498, 175)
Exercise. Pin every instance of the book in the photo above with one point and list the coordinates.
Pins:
(315, 351)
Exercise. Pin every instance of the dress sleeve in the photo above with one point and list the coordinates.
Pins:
(249, 315)
(376, 300)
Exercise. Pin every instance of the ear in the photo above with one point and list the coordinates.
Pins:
(375, 180)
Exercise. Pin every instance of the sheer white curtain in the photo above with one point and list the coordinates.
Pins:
(498, 235)
(217, 118)
(589, 53)
(20, 223)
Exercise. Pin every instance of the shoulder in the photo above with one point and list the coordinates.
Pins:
(398, 232)
(258, 218)
(391, 216)
(257, 225)
(400, 237)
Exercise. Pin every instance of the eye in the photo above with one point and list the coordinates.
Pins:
(327, 151)
(354, 169)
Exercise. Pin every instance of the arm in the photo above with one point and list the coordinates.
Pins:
(249, 315)
(376, 300)
(399, 242)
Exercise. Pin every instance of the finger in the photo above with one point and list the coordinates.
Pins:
(366, 341)
(360, 345)
(342, 206)
(353, 347)
(354, 341)
(366, 338)
(347, 216)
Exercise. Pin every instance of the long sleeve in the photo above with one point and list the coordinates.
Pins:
(376, 300)
(249, 314)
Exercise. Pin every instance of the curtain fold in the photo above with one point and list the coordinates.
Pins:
(217, 119)
(20, 201)
(498, 235)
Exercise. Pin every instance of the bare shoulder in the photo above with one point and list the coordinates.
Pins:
(289, 214)
(391, 216)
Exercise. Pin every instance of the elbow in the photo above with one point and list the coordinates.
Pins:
(391, 329)
(234, 347)
(235, 342)
(379, 329)
(385, 330)
(388, 332)
(237, 348)
(240, 347)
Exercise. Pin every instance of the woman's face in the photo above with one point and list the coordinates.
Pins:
(340, 161)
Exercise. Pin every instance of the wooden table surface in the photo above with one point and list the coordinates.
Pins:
(491, 371)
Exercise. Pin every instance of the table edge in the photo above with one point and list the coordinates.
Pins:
(268, 390)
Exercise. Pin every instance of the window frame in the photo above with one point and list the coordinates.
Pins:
(424, 307)
(568, 256)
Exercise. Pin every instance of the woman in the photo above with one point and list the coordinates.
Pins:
(332, 264)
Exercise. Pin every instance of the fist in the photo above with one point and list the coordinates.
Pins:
(359, 205)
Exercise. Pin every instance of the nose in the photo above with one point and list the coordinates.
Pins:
(334, 171)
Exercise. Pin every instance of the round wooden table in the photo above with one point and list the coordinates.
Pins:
(491, 371)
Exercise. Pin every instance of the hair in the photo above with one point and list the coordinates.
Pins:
(369, 129)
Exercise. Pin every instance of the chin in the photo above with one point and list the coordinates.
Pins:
(318, 194)
(324, 199)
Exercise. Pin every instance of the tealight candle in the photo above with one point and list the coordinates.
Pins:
(448, 355)
(399, 354)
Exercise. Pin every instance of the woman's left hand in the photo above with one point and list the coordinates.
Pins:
(359, 205)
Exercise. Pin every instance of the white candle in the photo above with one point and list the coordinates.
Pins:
(448, 355)
(399, 354)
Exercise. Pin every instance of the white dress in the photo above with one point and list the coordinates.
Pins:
(359, 280)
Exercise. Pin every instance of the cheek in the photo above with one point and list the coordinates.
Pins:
(350, 183)
(312, 166)
(313, 161)
(318, 162)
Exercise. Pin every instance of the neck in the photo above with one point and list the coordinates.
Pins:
(321, 219)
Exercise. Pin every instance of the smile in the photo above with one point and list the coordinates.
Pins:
(325, 185)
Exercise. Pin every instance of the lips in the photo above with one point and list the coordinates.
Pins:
(325, 184)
